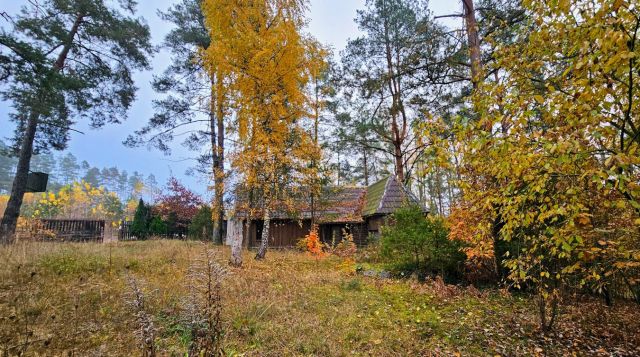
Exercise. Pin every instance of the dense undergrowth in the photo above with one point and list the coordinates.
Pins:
(58, 299)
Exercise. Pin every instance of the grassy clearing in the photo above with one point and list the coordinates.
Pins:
(57, 299)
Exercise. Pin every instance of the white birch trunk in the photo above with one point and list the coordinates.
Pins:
(234, 239)
(264, 244)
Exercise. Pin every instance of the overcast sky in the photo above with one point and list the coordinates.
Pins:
(331, 21)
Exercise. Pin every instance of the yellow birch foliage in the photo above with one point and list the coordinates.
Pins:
(79, 200)
(553, 161)
(259, 46)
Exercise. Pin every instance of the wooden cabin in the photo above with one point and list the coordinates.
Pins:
(360, 211)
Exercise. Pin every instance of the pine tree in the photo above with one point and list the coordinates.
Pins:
(65, 61)
(7, 167)
(92, 177)
(141, 220)
(68, 169)
(195, 101)
(398, 49)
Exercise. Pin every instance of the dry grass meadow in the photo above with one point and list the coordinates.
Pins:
(71, 299)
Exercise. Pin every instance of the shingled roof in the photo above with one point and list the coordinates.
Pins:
(352, 204)
(386, 196)
(342, 204)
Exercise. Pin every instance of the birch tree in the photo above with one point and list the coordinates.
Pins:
(260, 45)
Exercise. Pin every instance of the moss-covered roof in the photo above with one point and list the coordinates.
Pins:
(375, 193)
(386, 196)
(335, 205)
(350, 204)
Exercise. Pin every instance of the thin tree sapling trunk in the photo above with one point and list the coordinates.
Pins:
(264, 243)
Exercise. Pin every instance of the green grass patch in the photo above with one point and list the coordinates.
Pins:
(288, 305)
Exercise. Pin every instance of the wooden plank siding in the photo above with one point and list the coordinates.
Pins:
(332, 233)
(282, 233)
(63, 230)
(287, 233)
(76, 230)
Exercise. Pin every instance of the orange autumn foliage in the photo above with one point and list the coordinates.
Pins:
(471, 229)
(312, 245)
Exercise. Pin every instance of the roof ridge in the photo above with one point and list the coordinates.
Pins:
(384, 193)
(411, 195)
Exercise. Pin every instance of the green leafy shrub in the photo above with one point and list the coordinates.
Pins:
(158, 227)
(201, 226)
(412, 243)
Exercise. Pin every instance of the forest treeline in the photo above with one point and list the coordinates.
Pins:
(65, 169)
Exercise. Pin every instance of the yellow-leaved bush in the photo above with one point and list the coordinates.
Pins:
(79, 200)
(550, 165)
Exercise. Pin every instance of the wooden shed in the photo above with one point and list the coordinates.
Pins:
(360, 211)
(383, 198)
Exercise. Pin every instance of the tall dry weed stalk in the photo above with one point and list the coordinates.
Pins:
(146, 330)
(21, 297)
(204, 305)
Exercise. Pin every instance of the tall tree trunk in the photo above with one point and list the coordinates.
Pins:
(397, 135)
(316, 125)
(366, 166)
(235, 233)
(500, 246)
(214, 156)
(421, 194)
(422, 184)
(398, 161)
(316, 122)
(12, 212)
(473, 41)
(264, 243)
(439, 188)
(431, 191)
(450, 189)
(217, 121)
(338, 170)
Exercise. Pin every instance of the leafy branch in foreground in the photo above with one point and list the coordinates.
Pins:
(551, 167)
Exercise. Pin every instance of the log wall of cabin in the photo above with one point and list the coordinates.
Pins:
(375, 223)
(331, 233)
(286, 233)
(282, 233)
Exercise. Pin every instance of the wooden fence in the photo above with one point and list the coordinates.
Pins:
(63, 230)
(125, 232)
